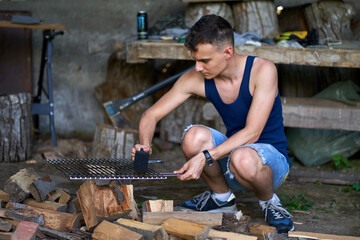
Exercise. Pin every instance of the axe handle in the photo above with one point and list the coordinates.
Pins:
(121, 104)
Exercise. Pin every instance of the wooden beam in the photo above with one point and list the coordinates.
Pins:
(207, 218)
(149, 231)
(185, 229)
(320, 113)
(310, 235)
(111, 231)
(230, 235)
(55, 206)
(140, 51)
(32, 26)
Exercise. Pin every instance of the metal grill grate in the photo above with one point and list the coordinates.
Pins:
(102, 168)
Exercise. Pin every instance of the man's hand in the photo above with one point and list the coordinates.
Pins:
(138, 147)
(193, 168)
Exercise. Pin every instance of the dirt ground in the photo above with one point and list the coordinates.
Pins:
(317, 207)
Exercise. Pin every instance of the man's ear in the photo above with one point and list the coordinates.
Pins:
(228, 52)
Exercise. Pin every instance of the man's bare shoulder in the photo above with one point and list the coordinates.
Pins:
(192, 82)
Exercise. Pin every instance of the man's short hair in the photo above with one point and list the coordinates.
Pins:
(211, 29)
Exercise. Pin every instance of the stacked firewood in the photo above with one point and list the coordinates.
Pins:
(35, 208)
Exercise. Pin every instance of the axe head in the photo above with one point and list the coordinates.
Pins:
(115, 116)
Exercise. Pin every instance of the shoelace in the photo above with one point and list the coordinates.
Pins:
(278, 211)
(202, 199)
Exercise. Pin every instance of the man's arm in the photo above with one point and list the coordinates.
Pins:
(188, 84)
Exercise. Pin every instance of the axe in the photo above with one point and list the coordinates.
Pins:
(113, 109)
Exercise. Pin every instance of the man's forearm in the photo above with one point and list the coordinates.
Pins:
(147, 127)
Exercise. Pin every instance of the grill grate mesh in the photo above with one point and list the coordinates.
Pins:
(102, 168)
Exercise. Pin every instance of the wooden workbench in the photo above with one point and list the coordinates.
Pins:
(297, 112)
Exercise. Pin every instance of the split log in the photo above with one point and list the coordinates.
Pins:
(60, 195)
(5, 235)
(52, 219)
(111, 231)
(185, 229)
(60, 207)
(25, 231)
(4, 197)
(147, 230)
(256, 16)
(310, 235)
(40, 188)
(207, 218)
(112, 142)
(194, 11)
(264, 232)
(58, 235)
(230, 235)
(107, 202)
(5, 226)
(158, 206)
(15, 217)
(15, 127)
(331, 19)
(17, 186)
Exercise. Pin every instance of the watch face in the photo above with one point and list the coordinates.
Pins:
(209, 162)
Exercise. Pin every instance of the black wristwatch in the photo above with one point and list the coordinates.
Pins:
(209, 159)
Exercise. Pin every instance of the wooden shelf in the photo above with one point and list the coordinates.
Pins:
(320, 113)
(32, 26)
(297, 112)
(140, 51)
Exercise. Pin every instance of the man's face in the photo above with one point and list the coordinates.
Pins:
(210, 61)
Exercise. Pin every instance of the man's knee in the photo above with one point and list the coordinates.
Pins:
(246, 163)
(196, 139)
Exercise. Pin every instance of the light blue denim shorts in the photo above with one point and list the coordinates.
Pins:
(269, 155)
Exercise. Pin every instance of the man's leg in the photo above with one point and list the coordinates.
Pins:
(220, 198)
(196, 140)
(253, 172)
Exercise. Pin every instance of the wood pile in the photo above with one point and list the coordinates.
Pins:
(33, 207)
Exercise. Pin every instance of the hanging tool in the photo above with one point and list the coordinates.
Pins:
(113, 109)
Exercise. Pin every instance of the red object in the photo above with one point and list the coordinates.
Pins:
(25, 231)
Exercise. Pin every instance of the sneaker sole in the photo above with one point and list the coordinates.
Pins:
(225, 210)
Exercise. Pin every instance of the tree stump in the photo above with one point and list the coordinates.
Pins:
(256, 16)
(195, 11)
(15, 127)
(112, 142)
(331, 19)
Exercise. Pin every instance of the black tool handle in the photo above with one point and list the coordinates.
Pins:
(121, 104)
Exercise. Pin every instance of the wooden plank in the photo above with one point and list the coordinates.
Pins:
(207, 218)
(147, 230)
(185, 229)
(55, 206)
(264, 232)
(309, 235)
(319, 113)
(32, 26)
(230, 235)
(157, 49)
(110, 231)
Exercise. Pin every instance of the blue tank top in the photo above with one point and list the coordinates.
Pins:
(234, 114)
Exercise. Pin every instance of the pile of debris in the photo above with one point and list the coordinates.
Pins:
(35, 208)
